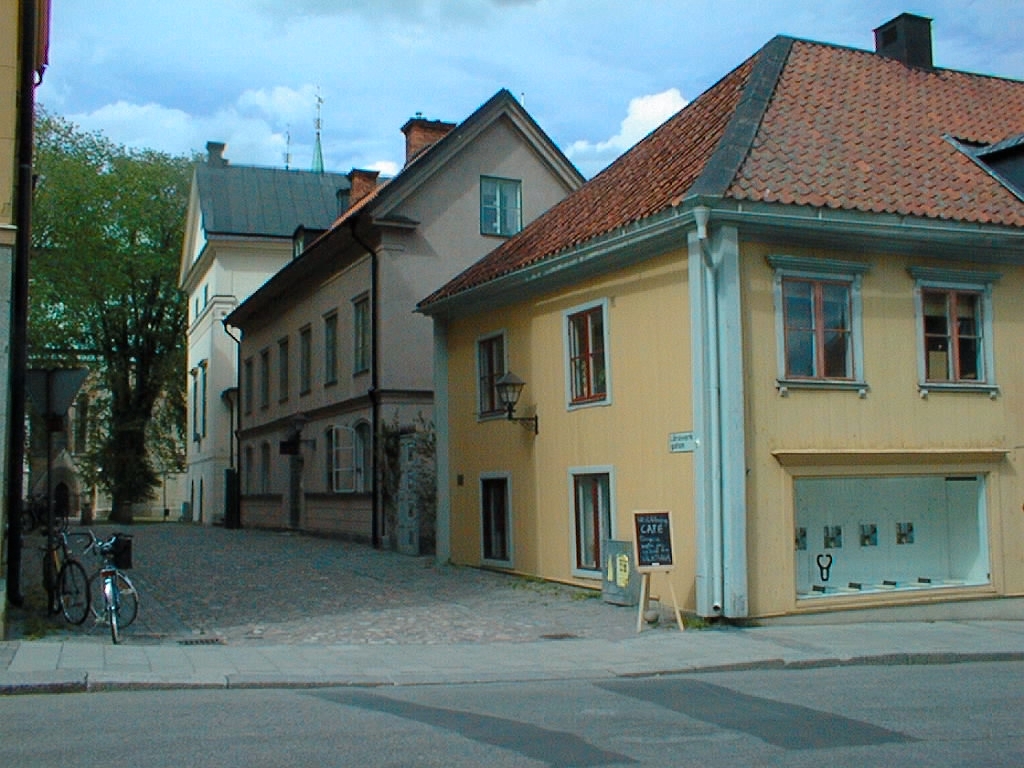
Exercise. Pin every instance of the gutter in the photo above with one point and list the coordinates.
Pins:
(374, 391)
(19, 302)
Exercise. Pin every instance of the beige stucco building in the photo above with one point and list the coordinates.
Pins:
(239, 230)
(336, 375)
(791, 316)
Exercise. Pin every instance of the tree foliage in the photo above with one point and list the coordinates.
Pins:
(106, 235)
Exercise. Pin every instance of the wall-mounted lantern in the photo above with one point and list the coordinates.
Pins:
(510, 387)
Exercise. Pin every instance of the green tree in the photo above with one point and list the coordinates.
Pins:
(107, 233)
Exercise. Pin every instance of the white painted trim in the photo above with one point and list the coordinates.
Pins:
(598, 469)
(605, 305)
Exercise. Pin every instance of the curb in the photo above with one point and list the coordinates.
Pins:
(76, 681)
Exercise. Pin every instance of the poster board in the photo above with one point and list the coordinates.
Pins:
(652, 540)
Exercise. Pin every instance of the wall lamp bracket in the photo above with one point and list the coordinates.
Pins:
(510, 387)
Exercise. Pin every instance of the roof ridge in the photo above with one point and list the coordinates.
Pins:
(735, 142)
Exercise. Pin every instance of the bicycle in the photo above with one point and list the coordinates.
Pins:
(64, 578)
(113, 597)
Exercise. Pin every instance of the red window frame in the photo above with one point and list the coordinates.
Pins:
(959, 336)
(830, 342)
(587, 372)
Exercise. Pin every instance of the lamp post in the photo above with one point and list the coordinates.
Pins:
(510, 387)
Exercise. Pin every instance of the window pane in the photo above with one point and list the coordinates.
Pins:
(800, 353)
(495, 519)
(593, 519)
(798, 296)
(491, 365)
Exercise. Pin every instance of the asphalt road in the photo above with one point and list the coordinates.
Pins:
(933, 715)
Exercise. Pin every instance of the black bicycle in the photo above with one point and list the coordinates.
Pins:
(67, 585)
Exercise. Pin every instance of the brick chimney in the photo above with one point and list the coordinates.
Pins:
(420, 134)
(361, 184)
(215, 154)
(907, 38)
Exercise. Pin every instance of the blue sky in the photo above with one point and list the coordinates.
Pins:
(597, 75)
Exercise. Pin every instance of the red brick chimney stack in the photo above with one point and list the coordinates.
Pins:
(421, 134)
(362, 183)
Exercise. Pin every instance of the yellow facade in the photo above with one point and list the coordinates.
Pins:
(649, 355)
(8, 116)
(888, 429)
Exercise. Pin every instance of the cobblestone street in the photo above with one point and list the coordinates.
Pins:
(247, 586)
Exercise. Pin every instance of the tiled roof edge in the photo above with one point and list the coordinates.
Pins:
(732, 149)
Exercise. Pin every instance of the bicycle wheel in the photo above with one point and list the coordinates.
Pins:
(74, 592)
(113, 610)
(129, 598)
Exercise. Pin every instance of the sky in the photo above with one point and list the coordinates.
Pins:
(597, 75)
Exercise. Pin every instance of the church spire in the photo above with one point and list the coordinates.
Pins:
(318, 154)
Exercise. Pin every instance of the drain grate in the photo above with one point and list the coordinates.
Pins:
(560, 636)
(203, 641)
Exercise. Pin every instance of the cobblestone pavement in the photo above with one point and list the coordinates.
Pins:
(200, 584)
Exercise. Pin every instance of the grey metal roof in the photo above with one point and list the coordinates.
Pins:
(248, 200)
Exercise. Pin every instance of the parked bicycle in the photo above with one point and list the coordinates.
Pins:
(113, 597)
(64, 578)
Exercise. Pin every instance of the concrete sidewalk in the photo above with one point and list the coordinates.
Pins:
(88, 664)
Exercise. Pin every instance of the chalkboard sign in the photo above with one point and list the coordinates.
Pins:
(652, 537)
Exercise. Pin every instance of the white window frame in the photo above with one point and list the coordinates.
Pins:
(331, 348)
(820, 270)
(362, 333)
(932, 278)
(509, 200)
(305, 359)
(509, 538)
(575, 472)
(349, 458)
(498, 411)
(604, 305)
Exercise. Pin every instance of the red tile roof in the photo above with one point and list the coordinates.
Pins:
(799, 123)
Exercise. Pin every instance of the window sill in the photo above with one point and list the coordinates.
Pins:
(927, 388)
(860, 387)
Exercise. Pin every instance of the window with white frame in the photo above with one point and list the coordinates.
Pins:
(331, 348)
(586, 359)
(248, 381)
(954, 328)
(500, 206)
(265, 378)
(362, 458)
(204, 384)
(818, 321)
(362, 334)
(592, 516)
(305, 359)
(495, 523)
(282, 369)
(490, 367)
(263, 485)
(348, 467)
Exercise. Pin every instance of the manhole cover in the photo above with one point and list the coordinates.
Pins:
(203, 641)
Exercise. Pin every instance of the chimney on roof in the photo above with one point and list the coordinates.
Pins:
(907, 38)
(361, 183)
(215, 154)
(420, 134)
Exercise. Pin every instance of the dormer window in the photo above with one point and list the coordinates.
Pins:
(1004, 160)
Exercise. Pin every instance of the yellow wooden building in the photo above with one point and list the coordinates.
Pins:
(792, 316)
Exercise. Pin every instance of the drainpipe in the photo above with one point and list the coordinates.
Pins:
(19, 303)
(233, 397)
(374, 391)
(713, 402)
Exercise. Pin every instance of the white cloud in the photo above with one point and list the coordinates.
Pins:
(281, 103)
(645, 113)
